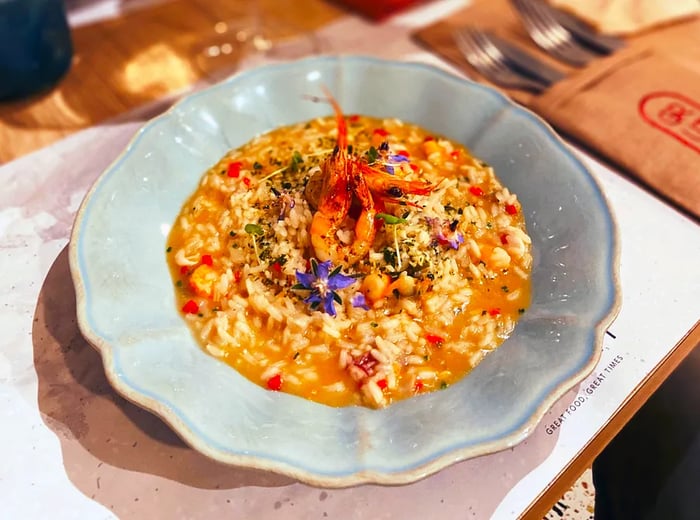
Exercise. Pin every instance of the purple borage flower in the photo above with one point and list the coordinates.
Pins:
(323, 284)
(394, 160)
(445, 232)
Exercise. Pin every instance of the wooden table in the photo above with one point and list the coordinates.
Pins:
(128, 62)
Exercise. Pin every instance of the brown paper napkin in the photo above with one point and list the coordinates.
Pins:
(638, 108)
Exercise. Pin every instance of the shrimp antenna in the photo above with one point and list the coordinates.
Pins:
(339, 117)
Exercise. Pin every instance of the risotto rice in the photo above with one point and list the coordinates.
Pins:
(442, 281)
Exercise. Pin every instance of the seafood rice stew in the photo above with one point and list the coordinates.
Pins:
(351, 260)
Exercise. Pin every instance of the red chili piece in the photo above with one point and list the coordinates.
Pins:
(234, 169)
(429, 138)
(418, 386)
(190, 307)
(381, 131)
(511, 209)
(275, 383)
(455, 154)
(237, 276)
(435, 339)
(277, 267)
(413, 167)
(184, 269)
(353, 118)
(382, 384)
(475, 190)
(504, 239)
(403, 152)
(495, 311)
(207, 260)
(246, 181)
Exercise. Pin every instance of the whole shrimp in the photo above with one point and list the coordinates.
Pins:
(340, 180)
(343, 176)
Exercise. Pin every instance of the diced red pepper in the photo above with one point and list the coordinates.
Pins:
(246, 181)
(403, 152)
(308, 265)
(413, 167)
(504, 239)
(237, 276)
(495, 311)
(382, 384)
(511, 209)
(418, 386)
(380, 131)
(275, 383)
(429, 138)
(190, 307)
(277, 267)
(354, 118)
(435, 339)
(455, 154)
(476, 190)
(234, 169)
(184, 269)
(207, 260)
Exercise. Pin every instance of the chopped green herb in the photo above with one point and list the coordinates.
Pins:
(257, 165)
(504, 288)
(372, 155)
(232, 233)
(169, 249)
(287, 185)
(389, 256)
(297, 159)
(179, 283)
(443, 385)
(521, 311)
(200, 314)
(390, 219)
(374, 324)
(296, 355)
(253, 229)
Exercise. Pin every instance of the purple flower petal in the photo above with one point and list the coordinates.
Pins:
(398, 158)
(340, 281)
(323, 270)
(329, 304)
(359, 301)
(305, 279)
(314, 297)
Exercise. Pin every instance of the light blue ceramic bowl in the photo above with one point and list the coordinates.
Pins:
(126, 305)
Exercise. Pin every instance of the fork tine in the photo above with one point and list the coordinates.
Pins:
(488, 59)
(549, 34)
(471, 43)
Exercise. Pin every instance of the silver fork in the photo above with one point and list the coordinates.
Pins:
(549, 34)
(490, 61)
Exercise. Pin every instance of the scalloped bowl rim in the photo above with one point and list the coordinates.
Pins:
(439, 461)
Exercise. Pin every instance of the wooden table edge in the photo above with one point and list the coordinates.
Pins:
(585, 457)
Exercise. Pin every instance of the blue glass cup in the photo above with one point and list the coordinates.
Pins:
(35, 46)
